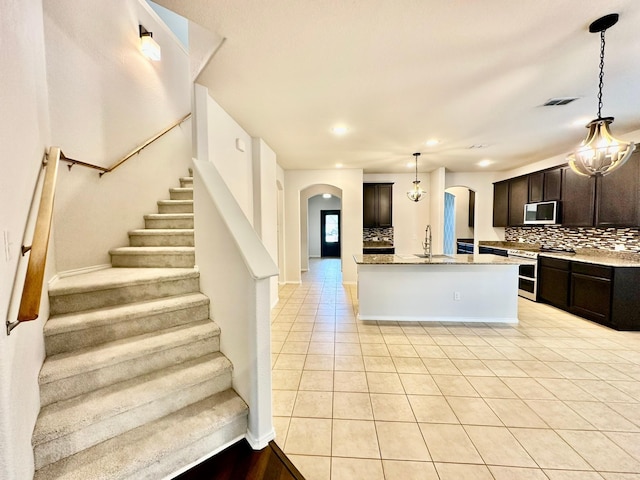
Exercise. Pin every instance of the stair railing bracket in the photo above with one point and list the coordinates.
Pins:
(11, 326)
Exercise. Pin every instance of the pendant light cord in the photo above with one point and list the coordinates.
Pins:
(601, 77)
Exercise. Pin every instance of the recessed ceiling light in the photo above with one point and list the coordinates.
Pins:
(339, 130)
(432, 142)
(410, 164)
(326, 195)
(338, 165)
(484, 163)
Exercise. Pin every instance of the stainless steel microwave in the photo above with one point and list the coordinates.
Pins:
(541, 213)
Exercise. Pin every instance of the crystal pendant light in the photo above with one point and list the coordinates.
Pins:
(416, 193)
(600, 153)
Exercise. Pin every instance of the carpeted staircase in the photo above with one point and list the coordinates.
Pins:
(134, 385)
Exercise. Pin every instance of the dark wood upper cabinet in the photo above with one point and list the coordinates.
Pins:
(552, 189)
(578, 199)
(545, 186)
(385, 205)
(536, 187)
(369, 205)
(518, 197)
(377, 205)
(501, 204)
(618, 196)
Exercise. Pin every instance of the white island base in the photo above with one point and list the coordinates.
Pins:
(467, 292)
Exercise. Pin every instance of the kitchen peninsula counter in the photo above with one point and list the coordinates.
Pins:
(449, 288)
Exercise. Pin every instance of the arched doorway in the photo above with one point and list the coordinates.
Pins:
(459, 216)
(312, 203)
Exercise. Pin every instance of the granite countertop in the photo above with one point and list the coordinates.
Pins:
(598, 256)
(377, 244)
(510, 245)
(420, 259)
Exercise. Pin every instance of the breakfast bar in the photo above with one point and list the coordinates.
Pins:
(450, 288)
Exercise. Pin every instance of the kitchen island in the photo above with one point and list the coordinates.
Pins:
(451, 288)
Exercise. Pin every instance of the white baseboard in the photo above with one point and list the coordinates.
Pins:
(78, 271)
(276, 302)
(204, 457)
(260, 443)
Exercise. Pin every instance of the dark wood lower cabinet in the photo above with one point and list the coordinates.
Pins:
(607, 295)
(591, 297)
(553, 279)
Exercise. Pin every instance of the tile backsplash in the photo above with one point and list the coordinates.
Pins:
(556, 236)
(373, 234)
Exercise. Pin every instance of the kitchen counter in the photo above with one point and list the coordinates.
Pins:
(509, 245)
(598, 257)
(419, 259)
(378, 247)
(454, 288)
(377, 244)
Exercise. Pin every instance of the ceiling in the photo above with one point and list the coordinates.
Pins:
(397, 73)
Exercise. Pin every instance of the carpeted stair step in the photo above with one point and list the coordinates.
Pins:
(168, 220)
(161, 237)
(67, 427)
(116, 286)
(186, 182)
(73, 331)
(175, 206)
(160, 448)
(76, 373)
(153, 257)
(181, 193)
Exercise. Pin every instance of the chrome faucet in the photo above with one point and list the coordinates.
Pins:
(426, 245)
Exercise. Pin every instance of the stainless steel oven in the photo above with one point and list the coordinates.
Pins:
(527, 272)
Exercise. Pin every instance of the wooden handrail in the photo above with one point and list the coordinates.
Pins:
(32, 291)
(133, 152)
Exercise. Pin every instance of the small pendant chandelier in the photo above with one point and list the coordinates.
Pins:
(416, 193)
(600, 153)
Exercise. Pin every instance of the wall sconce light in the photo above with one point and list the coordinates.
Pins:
(149, 46)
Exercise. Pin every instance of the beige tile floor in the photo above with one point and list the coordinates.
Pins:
(554, 397)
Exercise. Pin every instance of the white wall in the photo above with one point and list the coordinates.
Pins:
(436, 213)
(265, 203)
(409, 218)
(316, 204)
(24, 136)
(106, 99)
(482, 184)
(280, 224)
(463, 230)
(234, 165)
(347, 180)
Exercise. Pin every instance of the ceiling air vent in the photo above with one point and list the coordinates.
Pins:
(559, 101)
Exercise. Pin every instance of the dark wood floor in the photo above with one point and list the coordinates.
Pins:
(240, 462)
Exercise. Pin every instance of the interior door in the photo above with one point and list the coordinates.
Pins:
(330, 233)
